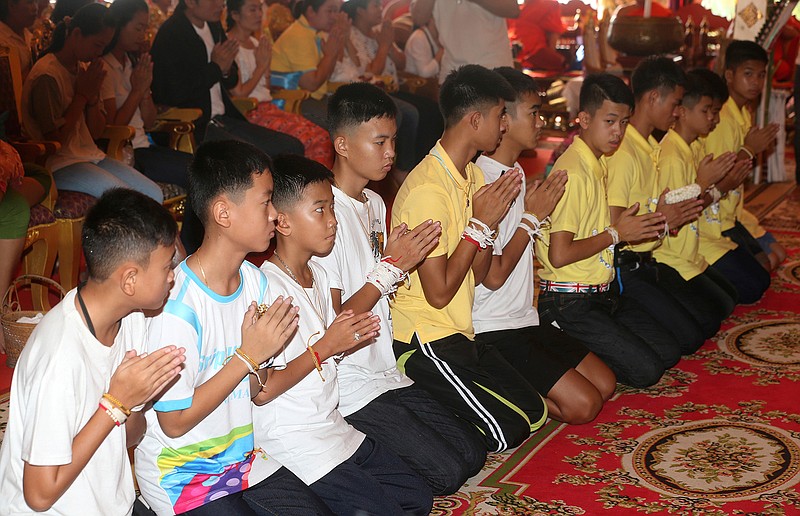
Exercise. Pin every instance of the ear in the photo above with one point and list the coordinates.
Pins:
(219, 212)
(584, 119)
(728, 76)
(475, 118)
(283, 224)
(682, 111)
(340, 146)
(653, 96)
(127, 279)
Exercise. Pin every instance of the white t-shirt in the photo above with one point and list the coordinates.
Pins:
(117, 86)
(246, 61)
(78, 146)
(420, 53)
(470, 35)
(217, 105)
(215, 458)
(372, 370)
(301, 427)
(511, 306)
(59, 380)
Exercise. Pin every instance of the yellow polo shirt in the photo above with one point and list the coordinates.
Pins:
(728, 136)
(713, 245)
(436, 190)
(582, 211)
(750, 222)
(297, 51)
(632, 177)
(676, 168)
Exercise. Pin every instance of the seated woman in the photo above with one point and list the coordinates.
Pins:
(304, 58)
(127, 97)
(61, 102)
(253, 59)
(377, 54)
(423, 51)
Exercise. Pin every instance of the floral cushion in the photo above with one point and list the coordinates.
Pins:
(72, 205)
(40, 215)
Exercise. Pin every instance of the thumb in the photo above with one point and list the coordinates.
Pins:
(635, 207)
(706, 160)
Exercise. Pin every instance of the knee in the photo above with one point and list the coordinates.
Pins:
(422, 503)
(606, 383)
(646, 375)
(582, 407)
(515, 433)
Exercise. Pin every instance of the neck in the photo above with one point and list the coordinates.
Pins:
(347, 180)
(67, 58)
(460, 149)
(506, 153)
(642, 124)
(688, 135)
(220, 262)
(294, 258)
(104, 309)
(363, 26)
(239, 34)
(18, 29)
(738, 99)
(596, 152)
(197, 22)
(118, 53)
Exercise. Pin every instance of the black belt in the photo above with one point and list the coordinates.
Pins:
(632, 259)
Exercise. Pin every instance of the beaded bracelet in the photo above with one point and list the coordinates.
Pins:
(315, 355)
(115, 413)
(247, 361)
(747, 151)
(115, 402)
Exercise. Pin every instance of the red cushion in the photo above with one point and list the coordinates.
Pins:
(40, 215)
(72, 205)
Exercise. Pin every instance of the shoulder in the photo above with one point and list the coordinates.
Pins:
(374, 199)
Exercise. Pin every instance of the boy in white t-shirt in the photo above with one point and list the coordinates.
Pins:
(64, 450)
(198, 455)
(573, 380)
(298, 422)
(375, 397)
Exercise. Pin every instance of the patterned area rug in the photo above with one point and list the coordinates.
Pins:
(719, 435)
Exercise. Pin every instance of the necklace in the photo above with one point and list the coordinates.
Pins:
(315, 306)
(467, 191)
(375, 238)
(85, 311)
(202, 272)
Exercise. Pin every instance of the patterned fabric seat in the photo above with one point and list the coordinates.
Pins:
(72, 205)
(40, 215)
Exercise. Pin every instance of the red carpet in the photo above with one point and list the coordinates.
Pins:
(719, 435)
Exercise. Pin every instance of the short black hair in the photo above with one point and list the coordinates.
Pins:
(358, 103)
(223, 167)
(523, 84)
(719, 89)
(124, 225)
(292, 174)
(469, 88)
(599, 87)
(656, 73)
(696, 88)
(739, 52)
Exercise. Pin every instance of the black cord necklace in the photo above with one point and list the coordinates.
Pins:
(85, 311)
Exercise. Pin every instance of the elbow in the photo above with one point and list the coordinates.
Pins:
(173, 432)
(491, 282)
(557, 261)
(38, 501)
(437, 301)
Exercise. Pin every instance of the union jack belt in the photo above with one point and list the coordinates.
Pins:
(572, 287)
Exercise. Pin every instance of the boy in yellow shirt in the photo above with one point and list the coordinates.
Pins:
(433, 331)
(658, 85)
(714, 297)
(577, 281)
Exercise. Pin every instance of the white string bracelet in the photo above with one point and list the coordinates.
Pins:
(664, 234)
(747, 151)
(483, 238)
(534, 226)
(715, 193)
(385, 276)
(614, 234)
(250, 369)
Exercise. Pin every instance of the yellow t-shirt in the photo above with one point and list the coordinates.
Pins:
(713, 245)
(582, 211)
(728, 136)
(676, 168)
(436, 190)
(632, 177)
(750, 222)
(297, 51)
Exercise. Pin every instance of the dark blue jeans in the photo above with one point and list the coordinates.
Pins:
(223, 127)
(374, 481)
(615, 328)
(744, 272)
(281, 494)
(441, 448)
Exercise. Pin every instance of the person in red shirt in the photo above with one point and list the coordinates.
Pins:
(537, 29)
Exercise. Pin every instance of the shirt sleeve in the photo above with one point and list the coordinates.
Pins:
(46, 104)
(177, 325)
(567, 214)
(423, 203)
(418, 51)
(620, 176)
(722, 139)
(108, 89)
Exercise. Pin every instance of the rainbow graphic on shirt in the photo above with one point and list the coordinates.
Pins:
(200, 473)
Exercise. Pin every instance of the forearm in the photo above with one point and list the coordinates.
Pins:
(44, 485)
(441, 285)
(95, 120)
(502, 265)
(565, 253)
(362, 301)
(135, 427)
(312, 80)
(398, 57)
(378, 64)
(481, 265)
(125, 112)
(148, 110)
(244, 89)
(281, 381)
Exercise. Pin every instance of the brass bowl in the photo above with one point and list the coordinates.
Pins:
(639, 36)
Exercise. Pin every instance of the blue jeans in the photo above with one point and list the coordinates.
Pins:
(374, 482)
(441, 448)
(616, 329)
(744, 272)
(94, 179)
(280, 494)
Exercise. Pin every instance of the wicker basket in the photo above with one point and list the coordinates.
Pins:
(16, 333)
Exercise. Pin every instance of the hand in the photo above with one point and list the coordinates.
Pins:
(338, 35)
(712, 170)
(264, 52)
(263, 337)
(90, 80)
(735, 176)
(541, 199)
(142, 75)
(385, 35)
(409, 247)
(679, 213)
(224, 53)
(758, 139)
(637, 228)
(340, 335)
(138, 378)
(491, 203)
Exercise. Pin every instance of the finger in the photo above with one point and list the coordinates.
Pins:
(343, 316)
